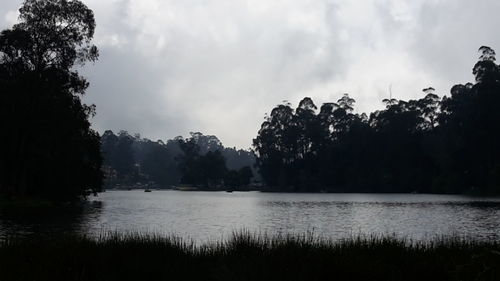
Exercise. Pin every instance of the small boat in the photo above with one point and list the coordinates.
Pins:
(229, 191)
(147, 190)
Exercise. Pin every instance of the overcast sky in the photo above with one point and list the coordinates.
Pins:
(170, 67)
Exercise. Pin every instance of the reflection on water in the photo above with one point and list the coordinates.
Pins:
(206, 216)
(47, 221)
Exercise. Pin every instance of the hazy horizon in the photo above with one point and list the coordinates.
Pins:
(171, 67)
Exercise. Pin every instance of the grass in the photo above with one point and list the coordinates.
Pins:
(246, 257)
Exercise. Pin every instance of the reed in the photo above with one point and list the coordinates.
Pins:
(246, 256)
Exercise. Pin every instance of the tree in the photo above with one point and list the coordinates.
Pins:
(49, 149)
(207, 170)
(159, 164)
(238, 178)
(51, 34)
(469, 128)
(245, 174)
(206, 143)
(212, 169)
(109, 142)
(429, 108)
(123, 155)
(276, 146)
(486, 70)
(189, 161)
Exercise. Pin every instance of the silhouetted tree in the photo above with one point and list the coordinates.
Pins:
(245, 175)
(48, 147)
(212, 169)
(469, 127)
(276, 146)
(206, 170)
(189, 163)
(235, 179)
(206, 143)
(159, 164)
(123, 155)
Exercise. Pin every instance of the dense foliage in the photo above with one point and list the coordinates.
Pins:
(447, 145)
(198, 160)
(47, 146)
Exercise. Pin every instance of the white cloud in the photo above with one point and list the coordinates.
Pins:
(12, 17)
(168, 67)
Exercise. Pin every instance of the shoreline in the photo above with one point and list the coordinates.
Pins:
(301, 192)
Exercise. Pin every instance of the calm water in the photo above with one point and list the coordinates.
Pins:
(206, 216)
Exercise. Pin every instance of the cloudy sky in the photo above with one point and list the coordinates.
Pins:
(168, 67)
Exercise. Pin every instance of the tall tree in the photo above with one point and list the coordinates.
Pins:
(159, 164)
(123, 155)
(48, 146)
(276, 146)
(469, 126)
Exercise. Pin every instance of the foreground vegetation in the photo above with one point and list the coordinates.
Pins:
(247, 257)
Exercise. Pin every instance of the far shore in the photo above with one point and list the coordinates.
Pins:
(189, 188)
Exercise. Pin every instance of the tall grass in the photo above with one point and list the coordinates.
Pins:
(246, 256)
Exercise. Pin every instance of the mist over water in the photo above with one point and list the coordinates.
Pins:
(208, 216)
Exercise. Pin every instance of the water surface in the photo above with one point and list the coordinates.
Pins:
(206, 216)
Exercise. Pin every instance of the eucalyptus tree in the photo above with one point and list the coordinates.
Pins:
(430, 108)
(276, 145)
(469, 122)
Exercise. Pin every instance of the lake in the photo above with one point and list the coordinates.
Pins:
(208, 216)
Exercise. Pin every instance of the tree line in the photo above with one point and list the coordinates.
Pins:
(200, 160)
(433, 144)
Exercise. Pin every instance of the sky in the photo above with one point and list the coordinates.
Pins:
(170, 67)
